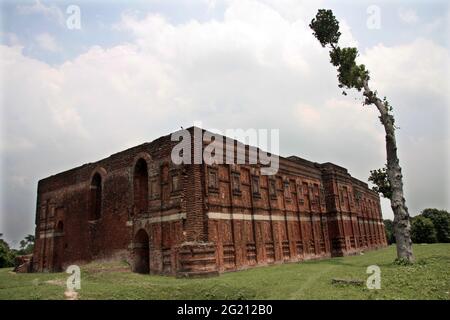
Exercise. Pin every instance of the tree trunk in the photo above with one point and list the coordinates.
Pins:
(402, 226)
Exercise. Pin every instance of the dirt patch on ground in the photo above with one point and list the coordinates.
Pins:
(107, 269)
(57, 282)
(68, 294)
(71, 295)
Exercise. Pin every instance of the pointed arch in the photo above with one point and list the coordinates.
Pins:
(140, 186)
(95, 196)
(141, 252)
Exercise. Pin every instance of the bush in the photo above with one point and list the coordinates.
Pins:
(389, 228)
(7, 255)
(422, 230)
(441, 222)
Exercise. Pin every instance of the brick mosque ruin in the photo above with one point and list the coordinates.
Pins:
(200, 219)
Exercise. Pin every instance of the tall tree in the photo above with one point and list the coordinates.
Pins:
(355, 76)
(26, 245)
(29, 238)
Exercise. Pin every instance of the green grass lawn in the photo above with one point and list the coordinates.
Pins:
(429, 278)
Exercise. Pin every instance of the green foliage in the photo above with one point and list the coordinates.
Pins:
(432, 225)
(26, 245)
(441, 222)
(389, 228)
(380, 179)
(402, 262)
(350, 75)
(326, 28)
(422, 230)
(7, 255)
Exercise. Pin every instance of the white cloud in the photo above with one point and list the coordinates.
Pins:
(260, 67)
(51, 11)
(9, 38)
(408, 16)
(421, 64)
(47, 42)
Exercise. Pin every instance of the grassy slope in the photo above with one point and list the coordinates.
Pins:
(427, 279)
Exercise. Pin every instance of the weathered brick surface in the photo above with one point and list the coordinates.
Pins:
(199, 219)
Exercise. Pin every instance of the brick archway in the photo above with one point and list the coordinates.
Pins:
(140, 186)
(141, 252)
(95, 197)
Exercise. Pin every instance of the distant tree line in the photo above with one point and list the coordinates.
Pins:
(430, 226)
(8, 255)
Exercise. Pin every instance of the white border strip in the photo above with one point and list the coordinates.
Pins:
(259, 217)
(49, 234)
(159, 219)
(172, 217)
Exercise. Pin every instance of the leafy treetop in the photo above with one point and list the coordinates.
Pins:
(326, 30)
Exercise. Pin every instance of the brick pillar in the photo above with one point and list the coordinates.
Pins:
(195, 217)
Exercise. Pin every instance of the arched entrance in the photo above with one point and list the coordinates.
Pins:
(140, 186)
(60, 227)
(141, 252)
(95, 197)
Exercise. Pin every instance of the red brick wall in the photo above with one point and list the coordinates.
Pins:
(202, 218)
(313, 213)
(65, 197)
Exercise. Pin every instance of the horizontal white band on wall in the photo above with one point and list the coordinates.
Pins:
(49, 234)
(43, 235)
(172, 217)
(159, 219)
(259, 217)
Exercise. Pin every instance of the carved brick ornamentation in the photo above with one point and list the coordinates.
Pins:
(193, 220)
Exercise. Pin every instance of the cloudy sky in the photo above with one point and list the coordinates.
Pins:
(137, 70)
